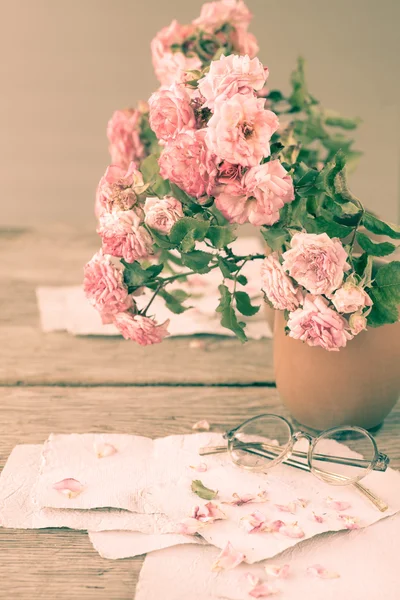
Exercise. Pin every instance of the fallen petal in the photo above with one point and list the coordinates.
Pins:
(350, 522)
(240, 500)
(214, 512)
(336, 504)
(254, 522)
(202, 425)
(291, 507)
(263, 590)
(320, 571)
(103, 450)
(229, 558)
(252, 579)
(292, 531)
(201, 468)
(278, 571)
(302, 502)
(69, 487)
(189, 526)
(275, 526)
(262, 497)
(318, 518)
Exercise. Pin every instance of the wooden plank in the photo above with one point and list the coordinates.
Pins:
(61, 564)
(29, 356)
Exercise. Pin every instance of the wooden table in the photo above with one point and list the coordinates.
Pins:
(59, 383)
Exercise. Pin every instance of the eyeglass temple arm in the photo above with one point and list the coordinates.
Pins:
(376, 501)
(380, 465)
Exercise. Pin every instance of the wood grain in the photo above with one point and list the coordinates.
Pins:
(61, 564)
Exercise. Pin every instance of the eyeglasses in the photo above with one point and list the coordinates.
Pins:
(268, 440)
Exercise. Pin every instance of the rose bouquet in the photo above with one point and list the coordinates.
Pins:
(226, 151)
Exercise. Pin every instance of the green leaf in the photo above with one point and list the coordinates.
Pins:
(149, 168)
(275, 236)
(372, 248)
(202, 491)
(321, 225)
(190, 228)
(275, 96)
(161, 240)
(385, 294)
(181, 195)
(244, 305)
(228, 315)
(241, 279)
(360, 263)
(136, 276)
(173, 301)
(221, 236)
(342, 122)
(379, 227)
(381, 313)
(227, 267)
(299, 96)
(197, 260)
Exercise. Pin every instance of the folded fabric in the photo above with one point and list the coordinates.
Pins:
(361, 565)
(19, 511)
(148, 476)
(124, 544)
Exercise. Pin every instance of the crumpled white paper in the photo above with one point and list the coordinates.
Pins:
(19, 511)
(366, 560)
(66, 307)
(124, 544)
(155, 477)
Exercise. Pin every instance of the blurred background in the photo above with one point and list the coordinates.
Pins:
(66, 66)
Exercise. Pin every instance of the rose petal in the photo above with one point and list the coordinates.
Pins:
(293, 531)
(291, 507)
(254, 522)
(318, 518)
(201, 468)
(302, 502)
(275, 526)
(350, 522)
(263, 590)
(320, 571)
(189, 526)
(202, 425)
(208, 514)
(104, 450)
(278, 571)
(252, 579)
(262, 497)
(69, 487)
(336, 504)
(229, 558)
(240, 500)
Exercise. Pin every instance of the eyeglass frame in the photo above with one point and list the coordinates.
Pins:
(379, 462)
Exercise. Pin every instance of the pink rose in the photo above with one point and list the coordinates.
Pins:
(117, 188)
(215, 14)
(240, 129)
(187, 162)
(123, 132)
(350, 298)
(162, 214)
(169, 66)
(228, 173)
(104, 287)
(231, 75)
(278, 287)
(258, 197)
(170, 112)
(245, 42)
(124, 236)
(357, 323)
(316, 262)
(142, 330)
(318, 325)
